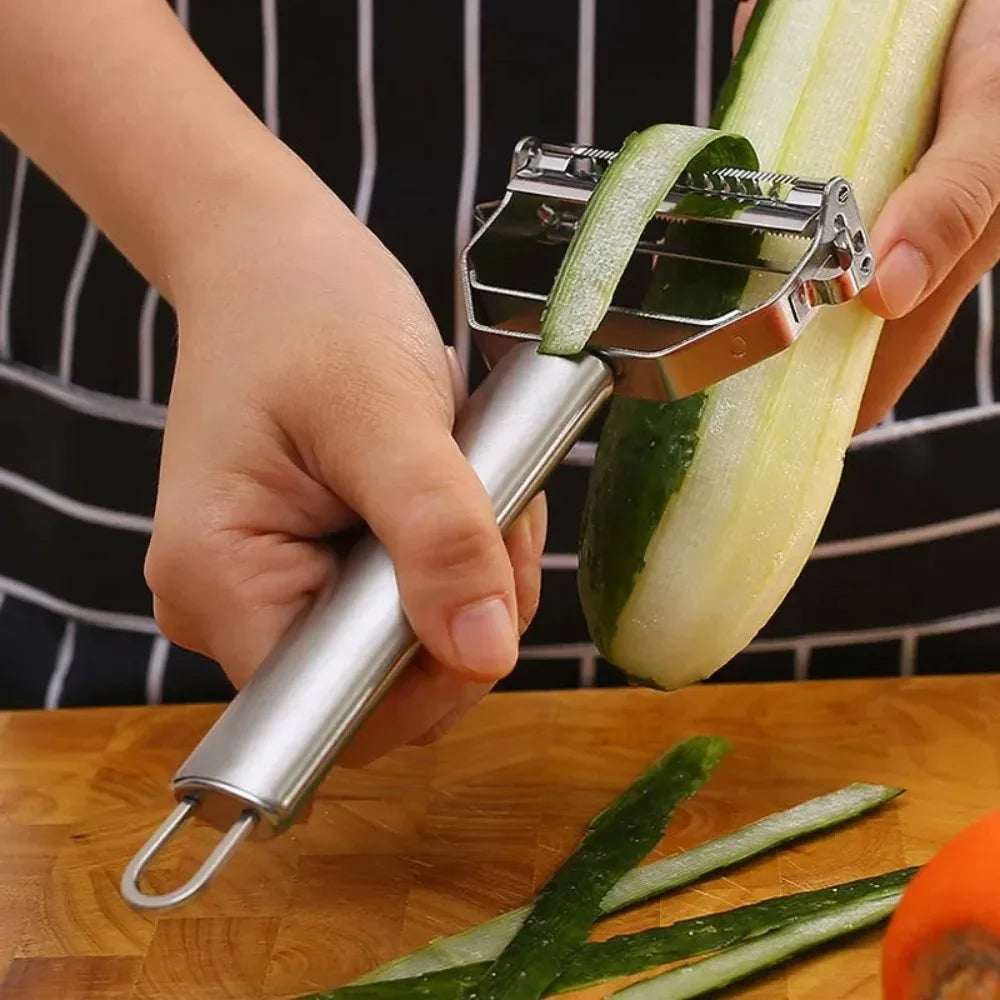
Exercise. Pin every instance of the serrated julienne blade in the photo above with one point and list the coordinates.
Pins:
(588, 163)
(564, 177)
(766, 202)
(749, 183)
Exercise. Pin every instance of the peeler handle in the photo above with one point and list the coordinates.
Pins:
(283, 731)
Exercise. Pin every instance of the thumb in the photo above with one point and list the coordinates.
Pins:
(741, 19)
(412, 485)
(943, 208)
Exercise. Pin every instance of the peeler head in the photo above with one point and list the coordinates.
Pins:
(791, 245)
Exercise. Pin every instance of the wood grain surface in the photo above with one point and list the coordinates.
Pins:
(431, 840)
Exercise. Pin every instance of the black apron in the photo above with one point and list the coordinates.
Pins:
(409, 112)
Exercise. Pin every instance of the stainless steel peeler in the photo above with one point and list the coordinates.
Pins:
(259, 763)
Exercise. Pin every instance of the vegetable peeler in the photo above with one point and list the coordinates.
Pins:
(265, 755)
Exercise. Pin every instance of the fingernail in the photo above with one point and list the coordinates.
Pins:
(902, 278)
(484, 638)
(538, 515)
(459, 388)
(523, 524)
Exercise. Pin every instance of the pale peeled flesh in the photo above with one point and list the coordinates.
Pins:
(831, 87)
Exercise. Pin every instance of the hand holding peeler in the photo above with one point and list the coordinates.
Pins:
(259, 763)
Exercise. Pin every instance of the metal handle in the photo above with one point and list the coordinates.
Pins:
(283, 731)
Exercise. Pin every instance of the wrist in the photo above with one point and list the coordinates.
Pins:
(243, 209)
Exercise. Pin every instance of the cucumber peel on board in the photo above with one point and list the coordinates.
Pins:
(629, 954)
(734, 964)
(485, 941)
(701, 514)
(617, 840)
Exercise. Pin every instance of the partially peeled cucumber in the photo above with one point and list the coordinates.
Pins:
(702, 513)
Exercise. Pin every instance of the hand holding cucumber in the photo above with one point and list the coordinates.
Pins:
(940, 232)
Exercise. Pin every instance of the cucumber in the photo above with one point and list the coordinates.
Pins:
(485, 941)
(710, 975)
(629, 954)
(723, 495)
(617, 840)
(812, 816)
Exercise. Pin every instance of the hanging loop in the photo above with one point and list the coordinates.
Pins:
(186, 808)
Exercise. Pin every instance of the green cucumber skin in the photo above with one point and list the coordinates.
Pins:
(486, 941)
(710, 975)
(444, 984)
(629, 954)
(734, 77)
(753, 840)
(617, 840)
(646, 447)
(625, 199)
(645, 451)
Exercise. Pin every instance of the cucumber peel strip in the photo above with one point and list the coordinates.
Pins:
(617, 839)
(734, 964)
(629, 954)
(624, 200)
(485, 941)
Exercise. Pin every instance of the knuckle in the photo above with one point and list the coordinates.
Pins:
(387, 393)
(445, 538)
(970, 200)
(162, 568)
(181, 628)
(174, 566)
(195, 545)
(164, 617)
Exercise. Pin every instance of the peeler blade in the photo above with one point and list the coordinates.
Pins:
(810, 245)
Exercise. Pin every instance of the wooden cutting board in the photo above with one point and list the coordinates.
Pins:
(431, 840)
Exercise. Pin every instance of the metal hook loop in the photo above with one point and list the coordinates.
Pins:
(233, 837)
